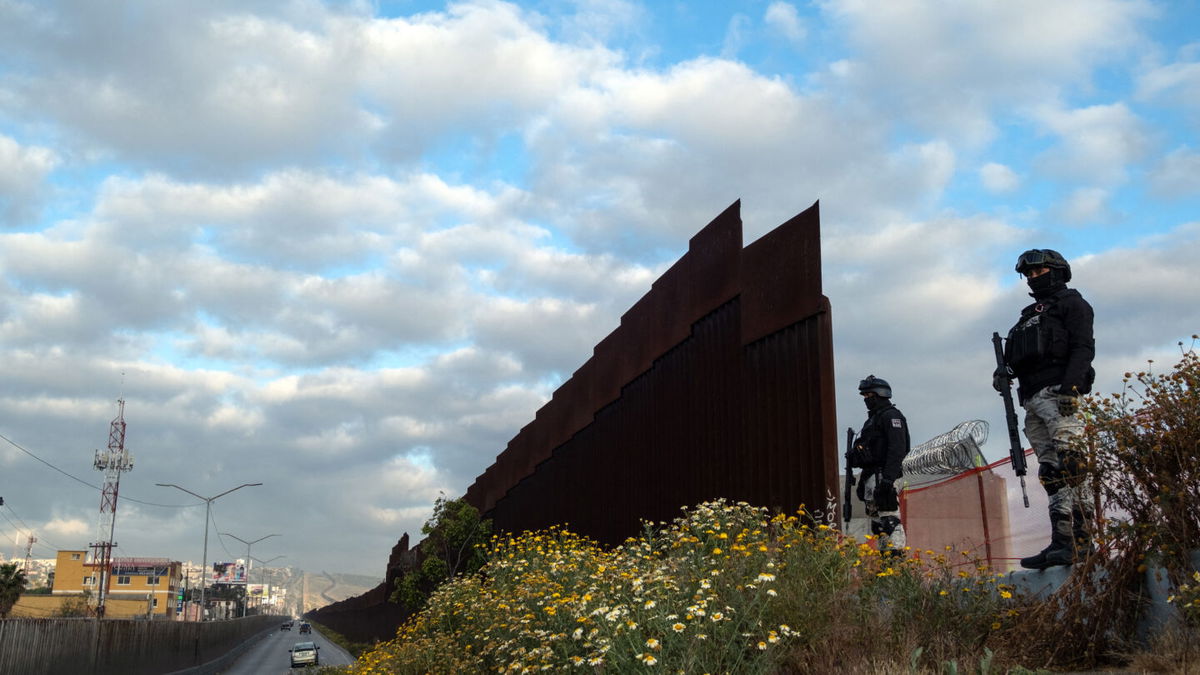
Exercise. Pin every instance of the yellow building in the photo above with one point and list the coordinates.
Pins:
(136, 586)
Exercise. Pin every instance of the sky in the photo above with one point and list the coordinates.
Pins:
(348, 249)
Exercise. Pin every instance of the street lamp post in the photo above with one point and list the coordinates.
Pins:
(263, 574)
(248, 545)
(207, 512)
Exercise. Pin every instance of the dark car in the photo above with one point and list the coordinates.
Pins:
(305, 628)
(304, 653)
(287, 625)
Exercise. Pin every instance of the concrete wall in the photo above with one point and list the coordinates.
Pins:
(119, 647)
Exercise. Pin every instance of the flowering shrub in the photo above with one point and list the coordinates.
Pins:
(723, 588)
(1140, 449)
(1187, 599)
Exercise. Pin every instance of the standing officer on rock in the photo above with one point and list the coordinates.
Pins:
(879, 450)
(1050, 352)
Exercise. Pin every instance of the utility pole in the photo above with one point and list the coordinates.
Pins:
(112, 462)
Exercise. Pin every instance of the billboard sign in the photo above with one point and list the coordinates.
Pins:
(257, 590)
(228, 573)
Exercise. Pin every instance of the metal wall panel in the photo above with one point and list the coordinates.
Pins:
(717, 383)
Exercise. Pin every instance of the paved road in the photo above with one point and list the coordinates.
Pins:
(270, 654)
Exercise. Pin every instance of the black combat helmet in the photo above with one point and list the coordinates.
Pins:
(874, 384)
(1044, 257)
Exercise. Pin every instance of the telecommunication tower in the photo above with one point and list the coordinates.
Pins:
(29, 552)
(112, 462)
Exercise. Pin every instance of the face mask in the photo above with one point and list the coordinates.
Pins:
(1043, 284)
(875, 402)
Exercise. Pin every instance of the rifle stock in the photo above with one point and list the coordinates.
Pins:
(847, 496)
(1015, 452)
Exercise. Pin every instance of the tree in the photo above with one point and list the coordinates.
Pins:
(12, 583)
(453, 545)
(76, 605)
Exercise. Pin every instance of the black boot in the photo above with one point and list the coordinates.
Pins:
(1061, 551)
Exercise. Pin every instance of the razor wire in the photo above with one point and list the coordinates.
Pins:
(955, 451)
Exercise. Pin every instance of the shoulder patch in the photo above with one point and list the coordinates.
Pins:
(897, 422)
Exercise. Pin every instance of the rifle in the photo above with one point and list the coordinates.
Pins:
(1015, 452)
(848, 505)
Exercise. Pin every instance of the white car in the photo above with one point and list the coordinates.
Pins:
(304, 654)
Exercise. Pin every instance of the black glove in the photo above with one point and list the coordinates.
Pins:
(1001, 378)
(885, 495)
(1068, 405)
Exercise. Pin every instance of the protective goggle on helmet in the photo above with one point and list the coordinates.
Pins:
(1043, 257)
(876, 385)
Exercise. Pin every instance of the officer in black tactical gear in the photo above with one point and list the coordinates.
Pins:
(1050, 352)
(879, 451)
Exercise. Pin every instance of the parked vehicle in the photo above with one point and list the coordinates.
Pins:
(304, 653)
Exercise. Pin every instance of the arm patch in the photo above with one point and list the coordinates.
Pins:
(897, 423)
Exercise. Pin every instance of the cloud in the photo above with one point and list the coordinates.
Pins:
(998, 178)
(1097, 144)
(783, 18)
(22, 172)
(598, 21)
(946, 67)
(224, 89)
(1143, 294)
(1177, 175)
(1083, 205)
(736, 34)
(1175, 82)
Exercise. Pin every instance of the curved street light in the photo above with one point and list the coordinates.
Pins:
(263, 575)
(248, 545)
(207, 512)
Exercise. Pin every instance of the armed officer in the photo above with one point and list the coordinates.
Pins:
(879, 451)
(1050, 352)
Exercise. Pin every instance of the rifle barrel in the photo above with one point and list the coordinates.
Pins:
(1016, 453)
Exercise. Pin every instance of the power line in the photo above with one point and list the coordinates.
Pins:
(28, 530)
(94, 487)
(219, 538)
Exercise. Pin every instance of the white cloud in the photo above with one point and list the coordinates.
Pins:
(998, 178)
(946, 66)
(1173, 82)
(68, 527)
(22, 172)
(1082, 206)
(783, 18)
(1097, 144)
(1177, 174)
(737, 33)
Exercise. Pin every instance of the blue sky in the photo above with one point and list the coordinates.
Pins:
(348, 248)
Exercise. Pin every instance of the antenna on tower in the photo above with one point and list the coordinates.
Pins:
(112, 462)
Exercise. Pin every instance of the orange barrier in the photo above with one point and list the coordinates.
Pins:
(979, 511)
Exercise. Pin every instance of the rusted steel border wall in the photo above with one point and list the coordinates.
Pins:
(717, 383)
